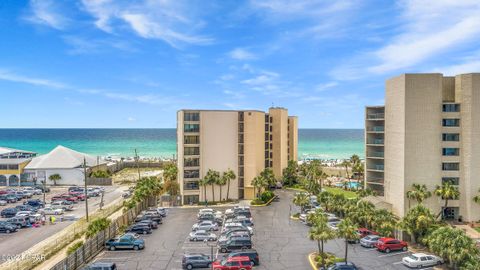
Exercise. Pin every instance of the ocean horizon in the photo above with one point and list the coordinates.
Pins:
(161, 142)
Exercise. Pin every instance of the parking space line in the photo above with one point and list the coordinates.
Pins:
(393, 254)
(397, 262)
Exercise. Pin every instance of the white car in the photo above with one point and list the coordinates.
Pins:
(60, 205)
(51, 211)
(202, 235)
(333, 225)
(24, 213)
(229, 226)
(419, 260)
(34, 191)
(3, 203)
(205, 211)
(205, 225)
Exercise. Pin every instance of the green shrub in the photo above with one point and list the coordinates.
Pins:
(71, 249)
(328, 259)
(100, 174)
(257, 202)
(266, 196)
(96, 226)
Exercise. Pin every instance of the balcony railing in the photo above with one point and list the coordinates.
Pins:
(376, 141)
(376, 129)
(376, 154)
(376, 167)
(375, 116)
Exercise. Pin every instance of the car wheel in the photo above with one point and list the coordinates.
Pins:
(387, 250)
(419, 266)
(194, 239)
(136, 248)
(112, 248)
(211, 239)
(243, 248)
(404, 248)
(7, 231)
(439, 262)
(145, 232)
(223, 250)
(189, 266)
(209, 265)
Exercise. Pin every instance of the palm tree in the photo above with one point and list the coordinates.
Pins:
(321, 233)
(204, 183)
(221, 181)
(346, 164)
(418, 221)
(384, 222)
(446, 191)
(170, 172)
(363, 212)
(229, 175)
(259, 182)
(301, 199)
(269, 177)
(418, 193)
(347, 230)
(55, 178)
(477, 198)
(212, 178)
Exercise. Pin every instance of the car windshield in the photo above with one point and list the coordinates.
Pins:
(413, 257)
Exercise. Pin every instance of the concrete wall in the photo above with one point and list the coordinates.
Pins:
(70, 177)
(293, 138)
(254, 149)
(219, 148)
(280, 140)
(469, 97)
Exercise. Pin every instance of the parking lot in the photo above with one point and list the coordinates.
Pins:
(16, 243)
(282, 243)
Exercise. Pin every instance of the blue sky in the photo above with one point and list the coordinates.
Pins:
(117, 63)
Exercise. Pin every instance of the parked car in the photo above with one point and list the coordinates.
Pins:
(244, 221)
(35, 203)
(74, 188)
(20, 195)
(19, 221)
(8, 212)
(79, 195)
(65, 205)
(101, 266)
(28, 193)
(196, 260)
(361, 233)
(201, 235)
(42, 188)
(230, 226)
(126, 241)
(233, 263)
(250, 253)
(3, 202)
(234, 235)
(235, 244)
(51, 211)
(26, 207)
(227, 234)
(206, 225)
(150, 223)
(34, 191)
(156, 218)
(7, 227)
(420, 260)
(369, 241)
(11, 198)
(333, 225)
(162, 211)
(139, 228)
(386, 244)
(343, 266)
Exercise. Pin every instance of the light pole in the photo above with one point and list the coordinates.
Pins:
(211, 245)
(85, 190)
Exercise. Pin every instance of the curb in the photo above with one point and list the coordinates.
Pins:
(312, 262)
(294, 218)
(265, 204)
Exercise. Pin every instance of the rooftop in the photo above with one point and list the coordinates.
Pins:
(63, 158)
(6, 150)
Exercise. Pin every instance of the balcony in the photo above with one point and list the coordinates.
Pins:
(376, 129)
(376, 168)
(375, 180)
(191, 186)
(376, 142)
(376, 116)
(375, 155)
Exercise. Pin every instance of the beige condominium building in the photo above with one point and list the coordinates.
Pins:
(245, 141)
(428, 132)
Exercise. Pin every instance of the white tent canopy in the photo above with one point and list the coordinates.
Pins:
(63, 158)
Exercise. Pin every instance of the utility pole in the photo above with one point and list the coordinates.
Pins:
(137, 159)
(85, 191)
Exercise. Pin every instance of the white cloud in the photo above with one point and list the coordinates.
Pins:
(325, 86)
(167, 20)
(131, 119)
(46, 13)
(12, 77)
(427, 30)
(242, 54)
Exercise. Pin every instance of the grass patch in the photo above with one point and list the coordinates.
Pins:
(477, 229)
(348, 194)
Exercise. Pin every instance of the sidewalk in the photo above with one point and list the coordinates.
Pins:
(471, 232)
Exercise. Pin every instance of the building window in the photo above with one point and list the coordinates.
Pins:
(191, 139)
(450, 151)
(240, 160)
(191, 128)
(240, 127)
(451, 166)
(240, 149)
(3, 166)
(451, 137)
(266, 145)
(191, 199)
(191, 151)
(452, 180)
(240, 116)
(266, 154)
(13, 167)
(451, 122)
(188, 116)
(191, 162)
(266, 127)
(451, 107)
(191, 174)
(266, 136)
(240, 138)
(267, 163)
(191, 186)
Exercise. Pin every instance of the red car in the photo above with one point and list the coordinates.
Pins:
(386, 244)
(64, 197)
(233, 263)
(80, 196)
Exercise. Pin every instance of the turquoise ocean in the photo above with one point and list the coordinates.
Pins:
(312, 143)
